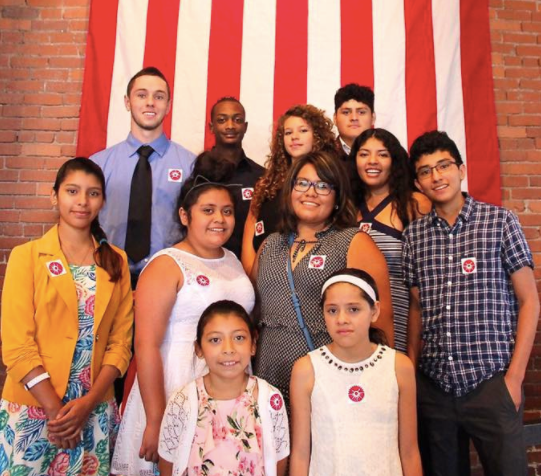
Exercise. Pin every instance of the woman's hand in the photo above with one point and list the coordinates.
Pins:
(149, 445)
(71, 420)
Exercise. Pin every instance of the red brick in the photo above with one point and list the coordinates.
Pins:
(28, 62)
(44, 137)
(7, 148)
(21, 111)
(522, 73)
(40, 149)
(530, 50)
(37, 176)
(11, 229)
(8, 136)
(512, 132)
(44, 98)
(42, 124)
(7, 175)
(33, 230)
(38, 216)
(525, 120)
(9, 24)
(18, 189)
(9, 216)
(76, 13)
(34, 202)
(61, 111)
(25, 163)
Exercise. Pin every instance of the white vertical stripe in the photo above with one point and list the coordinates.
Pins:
(191, 73)
(130, 39)
(324, 40)
(446, 21)
(257, 75)
(390, 67)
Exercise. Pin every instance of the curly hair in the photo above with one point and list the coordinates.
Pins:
(279, 161)
(401, 182)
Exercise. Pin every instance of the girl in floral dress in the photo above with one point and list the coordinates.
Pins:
(66, 330)
(226, 423)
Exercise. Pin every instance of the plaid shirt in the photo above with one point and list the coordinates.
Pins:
(469, 308)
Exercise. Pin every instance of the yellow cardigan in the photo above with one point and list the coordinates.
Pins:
(40, 319)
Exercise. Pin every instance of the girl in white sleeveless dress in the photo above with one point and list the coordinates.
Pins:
(353, 401)
(173, 290)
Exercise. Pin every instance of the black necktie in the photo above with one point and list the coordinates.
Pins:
(140, 209)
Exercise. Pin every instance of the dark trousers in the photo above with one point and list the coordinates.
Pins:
(486, 415)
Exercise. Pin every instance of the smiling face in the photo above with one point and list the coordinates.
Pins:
(79, 199)
(226, 345)
(374, 164)
(351, 119)
(228, 123)
(442, 188)
(210, 220)
(148, 104)
(310, 207)
(298, 136)
(348, 315)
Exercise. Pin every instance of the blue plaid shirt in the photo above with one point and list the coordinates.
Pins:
(469, 308)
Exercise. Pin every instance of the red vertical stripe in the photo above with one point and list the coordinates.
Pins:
(357, 43)
(100, 56)
(483, 158)
(225, 55)
(161, 42)
(291, 55)
(421, 102)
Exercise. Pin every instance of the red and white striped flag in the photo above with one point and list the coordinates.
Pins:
(428, 61)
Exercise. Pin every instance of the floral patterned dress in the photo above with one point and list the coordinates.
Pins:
(25, 449)
(228, 437)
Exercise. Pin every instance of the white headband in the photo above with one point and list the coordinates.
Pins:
(347, 278)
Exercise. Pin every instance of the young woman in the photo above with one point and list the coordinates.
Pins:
(317, 239)
(386, 202)
(353, 401)
(226, 422)
(173, 290)
(66, 336)
(302, 129)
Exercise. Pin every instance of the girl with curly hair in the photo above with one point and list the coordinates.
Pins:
(302, 129)
(385, 197)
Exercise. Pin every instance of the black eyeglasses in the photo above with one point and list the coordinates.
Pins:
(443, 167)
(321, 188)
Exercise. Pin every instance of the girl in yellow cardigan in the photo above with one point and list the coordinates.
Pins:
(66, 336)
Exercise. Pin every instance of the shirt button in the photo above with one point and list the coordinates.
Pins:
(449, 283)
(447, 307)
(146, 260)
(448, 334)
(450, 357)
(450, 235)
(450, 258)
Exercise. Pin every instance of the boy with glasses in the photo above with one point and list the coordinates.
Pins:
(473, 317)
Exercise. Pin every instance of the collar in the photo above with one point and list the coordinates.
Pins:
(345, 147)
(49, 243)
(160, 145)
(465, 213)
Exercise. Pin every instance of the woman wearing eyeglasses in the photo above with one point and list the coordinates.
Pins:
(316, 239)
(386, 202)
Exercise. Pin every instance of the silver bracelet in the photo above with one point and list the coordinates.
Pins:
(36, 380)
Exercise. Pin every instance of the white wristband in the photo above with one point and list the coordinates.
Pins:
(36, 380)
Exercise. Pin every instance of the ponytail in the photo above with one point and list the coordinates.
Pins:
(104, 255)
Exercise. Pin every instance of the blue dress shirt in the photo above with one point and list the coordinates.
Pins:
(171, 165)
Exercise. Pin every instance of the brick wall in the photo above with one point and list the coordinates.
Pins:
(42, 47)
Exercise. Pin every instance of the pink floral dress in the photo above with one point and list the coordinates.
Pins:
(228, 438)
(25, 449)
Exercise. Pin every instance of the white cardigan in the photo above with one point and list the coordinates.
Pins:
(180, 420)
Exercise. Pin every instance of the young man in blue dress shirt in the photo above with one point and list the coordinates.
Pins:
(148, 99)
(473, 317)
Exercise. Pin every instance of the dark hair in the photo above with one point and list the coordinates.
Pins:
(431, 142)
(401, 183)
(104, 255)
(225, 99)
(148, 71)
(353, 91)
(224, 307)
(279, 160)
(374, 334)
(330, 169)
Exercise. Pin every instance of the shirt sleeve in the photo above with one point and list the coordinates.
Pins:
(410, 277)
(280, 427)
(516, 253)
(174, 425)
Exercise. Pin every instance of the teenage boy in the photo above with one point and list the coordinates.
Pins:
(353, 114)
(473, 317)
(228, 125)
(143, 183)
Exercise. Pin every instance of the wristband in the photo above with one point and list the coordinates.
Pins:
(36, 380)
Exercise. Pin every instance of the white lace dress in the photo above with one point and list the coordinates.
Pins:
(205, 281)
(355, 415)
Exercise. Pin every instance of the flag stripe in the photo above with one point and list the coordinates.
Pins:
(161, 39)
(100, 57)
(291, 55)
(225, 53)
(323, 77)
(191, 72)
(356, 43)
(479, 105)
(446, 20)
(389, 67)
(420, 69)
(257, 76)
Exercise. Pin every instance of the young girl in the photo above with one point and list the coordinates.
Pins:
(353, 401)
(226, 422)
(66, 333)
